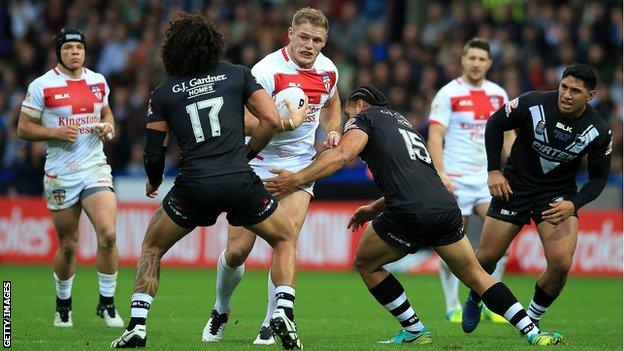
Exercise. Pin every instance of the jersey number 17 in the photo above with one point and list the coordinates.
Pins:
(194, 110)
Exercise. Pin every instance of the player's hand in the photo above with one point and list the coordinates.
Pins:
(447, 183)
(498, 185)
(150, 190)
(298, 113)
(361, 215)
(285, 183)
(559, 212)
(105, 131)
(67, 133)
(332, 139)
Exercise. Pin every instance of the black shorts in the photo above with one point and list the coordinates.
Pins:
(198, 202)
(526, 205)
(410, 232)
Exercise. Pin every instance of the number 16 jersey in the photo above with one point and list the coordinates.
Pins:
(205, 113)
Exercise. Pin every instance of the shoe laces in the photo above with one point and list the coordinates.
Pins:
(217, 321)
(63, 312)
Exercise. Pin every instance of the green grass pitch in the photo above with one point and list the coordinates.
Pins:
(333, 310)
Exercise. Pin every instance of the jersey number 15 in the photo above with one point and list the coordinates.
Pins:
(194, 110)
(415, 147)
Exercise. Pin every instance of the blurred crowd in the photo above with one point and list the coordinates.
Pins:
(409, 49)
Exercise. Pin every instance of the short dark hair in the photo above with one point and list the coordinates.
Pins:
(582, 72)
(193, 44)
(369, 94)
(477, 43)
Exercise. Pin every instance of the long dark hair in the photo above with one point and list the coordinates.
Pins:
(192, 45)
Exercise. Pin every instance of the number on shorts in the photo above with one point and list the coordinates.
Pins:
(415, 146)
(193, 110)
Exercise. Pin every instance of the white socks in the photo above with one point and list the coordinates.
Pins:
(227, 280)
(108, 283)
(63, 287)
(141, 304)
(450, 286)
(271, 301)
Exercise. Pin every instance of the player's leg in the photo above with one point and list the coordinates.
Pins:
(66, 222)
(295, 207)
(450, 287)
(462, 261)
(496, 236)
(371, 255)
(559, 243)
(277, 230)
(230, 270)
(481, 210)
(100, 205)
(161, 234)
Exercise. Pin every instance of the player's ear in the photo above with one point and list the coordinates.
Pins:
(592, 93)
(290, 32)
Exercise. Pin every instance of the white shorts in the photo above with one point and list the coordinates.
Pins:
(264, 173)
(62, 192)
(470, 193)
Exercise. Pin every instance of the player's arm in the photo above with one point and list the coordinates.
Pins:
(29, 127)
(435, 145)
(156, 140)
(106, 128)
(331, 120)
(328, 162)
(261, 105)
(366, 213)
(508, 139)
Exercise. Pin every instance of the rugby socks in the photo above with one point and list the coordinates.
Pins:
(500, 300)
(227, 280)
(450, 286)
(63, 290)
(107, 283)
(271, 302)
(139, 308)
(540, 303)
(391, 295)
(285, 295)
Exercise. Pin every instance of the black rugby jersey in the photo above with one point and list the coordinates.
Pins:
(549, 147)
(205, 113)
(400, 163)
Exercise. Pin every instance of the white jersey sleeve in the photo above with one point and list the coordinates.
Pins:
(33, 103)
(264, 76)
(441, 110)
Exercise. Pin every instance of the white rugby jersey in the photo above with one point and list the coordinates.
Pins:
(276, 72)
(464, 110)
(66, 101)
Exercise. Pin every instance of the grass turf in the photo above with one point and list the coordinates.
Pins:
(334, 311)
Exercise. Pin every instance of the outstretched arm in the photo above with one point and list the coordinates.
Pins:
(352, 143)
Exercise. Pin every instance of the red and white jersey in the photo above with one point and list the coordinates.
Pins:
(276, 72)
(59, 100)
(464, 110)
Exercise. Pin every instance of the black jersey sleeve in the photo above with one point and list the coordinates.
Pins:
(360, 121)
(509, 116)
(598, 166)
(251, 85)
(155, 112)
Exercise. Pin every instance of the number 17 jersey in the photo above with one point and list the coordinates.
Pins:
(205, 113)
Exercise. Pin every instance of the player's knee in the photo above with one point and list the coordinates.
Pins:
(362, 266)
(236, 256)
(487, 258)
(107, 238)
(560, 266)
(67, 247)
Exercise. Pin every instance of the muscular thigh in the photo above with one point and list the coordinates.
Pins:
(559, 240)
(101, 208)
(373, 251)
(67, 222)
(496, 236)
(295, 207)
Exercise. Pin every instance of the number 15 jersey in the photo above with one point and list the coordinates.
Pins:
(400, 163)
(205, 113)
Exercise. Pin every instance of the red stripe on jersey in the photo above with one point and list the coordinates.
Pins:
(285, 54)
(431, 121)
(478, 103)
(314, 84)
(77, 94)
(56, 71)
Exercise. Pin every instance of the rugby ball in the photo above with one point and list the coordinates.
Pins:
(294, 95)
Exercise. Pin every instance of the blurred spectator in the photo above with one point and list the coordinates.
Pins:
(405, 53)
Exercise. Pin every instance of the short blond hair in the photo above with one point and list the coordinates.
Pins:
(307, 14)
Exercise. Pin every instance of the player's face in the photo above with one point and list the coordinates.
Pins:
(573, 95)
(352, 108)
(306, 42)
(475, 63)
(73, 55)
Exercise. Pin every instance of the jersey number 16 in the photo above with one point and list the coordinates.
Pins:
(195, 108)
(415, 146)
